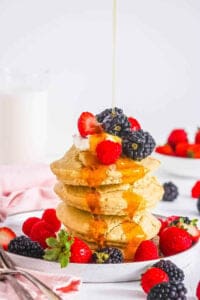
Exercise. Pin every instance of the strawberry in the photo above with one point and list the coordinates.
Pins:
(28, 224)
(174, 240)
(135, 125)
(40, 232)
(165, 223)
(197, 136)
(152, 277)
(108, 152)
(195, 192)
(6, 235)
(198, 291)
(181, 149)
(147, 250)
(80, 252)
(87, 124)
(177, 136)
(49, 216)
(165, 149)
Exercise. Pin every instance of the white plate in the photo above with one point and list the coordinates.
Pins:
(186, 167)
(92, 272)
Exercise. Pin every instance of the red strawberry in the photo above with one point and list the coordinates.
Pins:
(198, 291)
(28, 224)
(49, 216)
(135, 125)
(165, 223)
(165, 149)
(108, 152)
(152, 277)
(174, 240)
(87, 124)
(196, 190)
(80, 252)
(181, 149)
(177, 136)
(147, 250)
(6, 235)
(197, 136)
(40, 232)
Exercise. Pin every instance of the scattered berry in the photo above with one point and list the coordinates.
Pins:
(174, 240)
(198, 205)
(165, 149)
(135, 125)
(108, 255)
(165, 223)
(152, 277)
(87, 124)
(138, 144)
(189, 225)
(28, 224)
(197, 136)
(6, 235)
(147, 250)
(108, 152)
(40, 232)
(196, 190)
(23, 245)
(174, 273)
(170, 191)
(168, 290)
(80, 252)
(198, 291)
(49, 216)
(181, 149)
(177, 136)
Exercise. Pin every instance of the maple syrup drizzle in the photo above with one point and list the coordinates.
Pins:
(134, 201)
(130, 170)
(92, 199)
(114, 35)
(98, 229)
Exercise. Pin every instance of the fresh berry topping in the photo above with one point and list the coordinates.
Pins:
(80, 252)
(40, 232)
(165, 149)
(181, 149)
(87, 124)
(28, 224)
(165, 223)
(198, 291)
(198, 205)
(170, 191)
(197, 136)
(23, 245)
(147, 250)
(135, 125)
(168, 290)
(108, 152)
(138, 144)
(174, 273)
(152, 277)
(108, 255)
(174, 240)
(196, 190)
(6, 235)
(189, 225)
(114, 121)
(49, 216)
(177, 136)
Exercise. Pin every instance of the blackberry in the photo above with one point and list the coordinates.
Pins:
(22, 245)
(198, 205)
(174, 273)
(170, 191)
(183, 220)
(114, 121)
(168, 290)
(108, 255)
(138, 144)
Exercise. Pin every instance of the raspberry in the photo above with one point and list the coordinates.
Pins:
(170, 191)
(147, 250)
(198, 291)
(28, 224)
(108, 152)
(40, 232)
(174, 240)
(168, 290)
(49, 216)
(174, 273)
(80, 252)
(165, 149)
(108, 255)
(197, 136)
(152, 277)
(177, 136)
(196, 190)
(135, 125)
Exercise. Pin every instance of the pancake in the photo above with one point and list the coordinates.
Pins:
(81, 168)
(122, 199)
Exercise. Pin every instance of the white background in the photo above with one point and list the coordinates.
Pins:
(158, 59)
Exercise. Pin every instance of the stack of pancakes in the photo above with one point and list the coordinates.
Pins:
(107, 205)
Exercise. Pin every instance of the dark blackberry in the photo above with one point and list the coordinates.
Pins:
(174, 273)
(198, 205)
(138, 144)
(168, 290)
(108, 255)
(22, 245)
(183, 220)
(170, 191)
(114, 121)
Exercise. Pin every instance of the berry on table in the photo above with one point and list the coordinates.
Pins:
(198, 291)
(152, 277)
(174, 273)
(87, 124)
(177, 136)
(6, 235)
(108, 255)
(195, 192)
(108, 152)
(49, 216)
(135, 125)
(168, 290)
(147, 250)
(28, 224)
(23, 245)
(170, 191)
(165, 149)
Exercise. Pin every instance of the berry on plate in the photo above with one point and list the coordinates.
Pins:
(108, 152)
(177, 136)
(152, 277)
(197, 136)
(198, 204)
(174, 273)
(181, 149)
(6, 235)
(147, 250)
(195, 192)
(23, 245)
(88, 124)
(198, 291)
(108, 255)
(135, 125)
(28, 224)
(80, 252)
(170, 191)
(168, 290)
(49, 216)
(165, 149)
(40, 232)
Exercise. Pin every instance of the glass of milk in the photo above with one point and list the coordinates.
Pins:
(23, 117)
